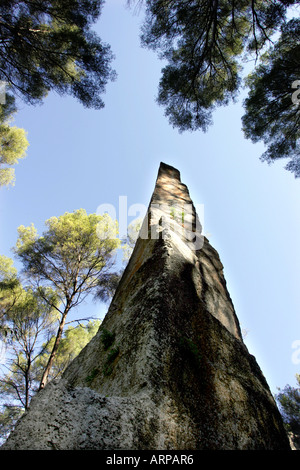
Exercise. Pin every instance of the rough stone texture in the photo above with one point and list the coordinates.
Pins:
(174, 372)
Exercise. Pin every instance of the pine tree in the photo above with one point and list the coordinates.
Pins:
(71, 257)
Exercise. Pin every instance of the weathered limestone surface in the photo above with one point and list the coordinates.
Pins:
(168, 368)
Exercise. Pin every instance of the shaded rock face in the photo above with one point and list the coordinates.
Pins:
(168, 368)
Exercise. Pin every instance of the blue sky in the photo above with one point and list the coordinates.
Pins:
(81, 158)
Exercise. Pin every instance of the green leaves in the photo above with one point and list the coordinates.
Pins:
(13, 142)
(71, 254)
(49, 46)
(202, 42)
(7, 269)
(270, 114)
(289, 402)
(70, 260)
(27, 354)
(10, 290)
(72, 342)
(72, 257)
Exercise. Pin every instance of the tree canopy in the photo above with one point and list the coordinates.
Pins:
(50, 45)
(203, 44)
(47, 46)
(28, 352)
(71, 257)
(70, 260)
(13, 142)
(271, 113)
(9, 291)
(24, 318)
(73, 341)
(202, 41)
(28, 319)
(289, 402)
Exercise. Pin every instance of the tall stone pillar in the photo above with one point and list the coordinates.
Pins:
(168, 368)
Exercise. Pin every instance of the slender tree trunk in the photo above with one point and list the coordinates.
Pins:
(27, 372)
(55, 347)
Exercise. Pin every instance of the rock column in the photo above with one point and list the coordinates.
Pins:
(168, 368)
